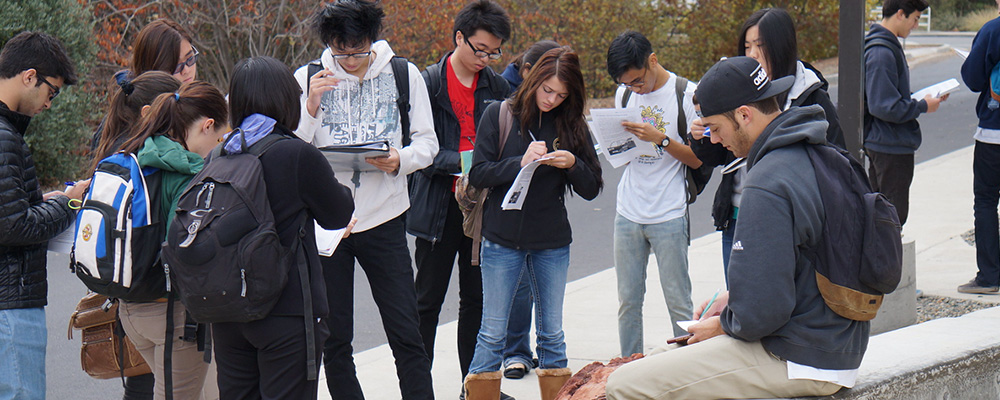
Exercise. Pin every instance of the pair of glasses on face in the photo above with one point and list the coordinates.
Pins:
(637, 82)
(481, 53)
(190, 62)
(357, 56)
(53, 90)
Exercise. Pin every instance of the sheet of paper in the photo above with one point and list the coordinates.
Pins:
(63, 243)
(327, 241)
(514, 199)
(686, 324)
(618, 145)
(963, 54)
(938, 89)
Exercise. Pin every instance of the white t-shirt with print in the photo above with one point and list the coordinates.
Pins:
(652, 188)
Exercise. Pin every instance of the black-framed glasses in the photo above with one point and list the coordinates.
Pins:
(482, 53)
(357, 56)
(637, 82)
(190, 61)
(54, 90)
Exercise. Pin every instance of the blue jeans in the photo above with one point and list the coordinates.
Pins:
(669, 241)
(518, 348)
(22, 343)
(502, 269)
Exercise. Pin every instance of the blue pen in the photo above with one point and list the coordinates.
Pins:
(68, 183)
(710, 302)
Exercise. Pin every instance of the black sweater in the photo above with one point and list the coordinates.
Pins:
(542, 222)
(302, 187)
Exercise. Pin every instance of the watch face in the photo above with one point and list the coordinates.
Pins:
(665, 142)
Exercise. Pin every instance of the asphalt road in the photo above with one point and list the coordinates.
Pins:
(949, 129)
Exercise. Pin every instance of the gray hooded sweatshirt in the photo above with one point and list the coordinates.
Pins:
(773, 297)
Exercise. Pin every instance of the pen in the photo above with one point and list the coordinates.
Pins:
(707, 307)
(68, 183)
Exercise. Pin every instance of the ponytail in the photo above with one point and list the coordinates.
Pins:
(123, 116)
(173, 113)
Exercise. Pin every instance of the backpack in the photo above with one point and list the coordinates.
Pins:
(471, 199)
(401, 73)
(116, 247)
(222, 250)
(864, 262)
(695, 178)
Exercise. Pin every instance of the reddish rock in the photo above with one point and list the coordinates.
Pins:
(589, 382)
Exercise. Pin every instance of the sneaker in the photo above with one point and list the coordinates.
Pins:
(515, 371)
(975, 288)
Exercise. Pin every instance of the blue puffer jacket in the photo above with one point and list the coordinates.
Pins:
(26, 222)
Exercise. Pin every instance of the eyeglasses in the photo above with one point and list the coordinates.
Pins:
(356, 56)
(190, 62)
(637, 82)
(53, 92)
(481, 53)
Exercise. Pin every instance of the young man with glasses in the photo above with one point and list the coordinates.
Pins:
(652, 197)
(33, 68)
(351, 100)
(461, 85)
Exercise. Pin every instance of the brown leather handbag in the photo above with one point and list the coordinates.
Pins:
(106, 352)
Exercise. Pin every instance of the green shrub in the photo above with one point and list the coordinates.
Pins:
(57, 136)
(975, 20)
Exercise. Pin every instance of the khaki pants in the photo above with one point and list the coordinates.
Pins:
(718, 368)
(145, 324)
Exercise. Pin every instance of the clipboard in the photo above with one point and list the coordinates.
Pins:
(351, 157)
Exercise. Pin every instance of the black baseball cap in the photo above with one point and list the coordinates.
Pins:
(736, 81)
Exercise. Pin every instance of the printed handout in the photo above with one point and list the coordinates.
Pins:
(327, 241)
(514, 199)
(618, 145)
(938, 89)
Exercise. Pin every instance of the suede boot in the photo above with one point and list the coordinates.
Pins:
(483, 386)
(551, 380)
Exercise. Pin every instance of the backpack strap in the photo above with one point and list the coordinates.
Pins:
(506, 119)
(168, 349)
(312, 366)
(312, 68)
(896, 52)
(682, 124)
(401, 72)
(625, 97)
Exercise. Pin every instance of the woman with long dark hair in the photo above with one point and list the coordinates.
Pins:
(531, 243)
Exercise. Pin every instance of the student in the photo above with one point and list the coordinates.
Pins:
(34, 67)
(517, 359)
(518, 69)
(978, 72)
(772, 335)
(353, 100)
(532, 242)
(462, 84)
(892, 133)
(265, 359)
(652, 211)
(124, 112)
(178, 130)
(767, 36)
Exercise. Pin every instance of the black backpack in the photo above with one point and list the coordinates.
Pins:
(860, 256)
(401, 73)
(695, 178)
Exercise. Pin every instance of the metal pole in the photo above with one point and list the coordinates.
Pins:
(850, 98)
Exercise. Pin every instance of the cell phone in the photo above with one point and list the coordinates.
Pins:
(681, 340)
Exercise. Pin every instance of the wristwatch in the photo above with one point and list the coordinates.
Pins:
(665, 142)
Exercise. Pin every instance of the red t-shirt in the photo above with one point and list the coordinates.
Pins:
(463, 102)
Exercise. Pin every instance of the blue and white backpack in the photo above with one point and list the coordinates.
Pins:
(119, 231)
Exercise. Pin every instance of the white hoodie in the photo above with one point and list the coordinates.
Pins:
(358, 113)
(804, 79)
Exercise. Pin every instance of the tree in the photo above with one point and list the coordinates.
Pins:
(57, 136)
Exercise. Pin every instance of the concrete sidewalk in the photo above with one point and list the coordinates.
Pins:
(940, 212)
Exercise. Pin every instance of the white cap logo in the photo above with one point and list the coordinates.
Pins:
(761, 77)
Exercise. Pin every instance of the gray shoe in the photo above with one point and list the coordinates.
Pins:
(974, 288)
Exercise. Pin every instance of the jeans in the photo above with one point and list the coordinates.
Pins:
(502, 269)
(22, 343)
(435, 262)
(892, 174)
(385, 258)
(518, 346)
(727, 247)
(669, 242)
(986, 186)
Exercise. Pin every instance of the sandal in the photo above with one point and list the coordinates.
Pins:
(515, 371)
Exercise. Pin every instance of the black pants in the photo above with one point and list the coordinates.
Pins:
(986, 186)
(434, 266)
(265, 359)
(139, 387)
(385, 258)
(892, 174)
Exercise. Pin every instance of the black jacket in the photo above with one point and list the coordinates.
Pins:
(722, 205)
(26, 222)
(542, 222)
(430, 188)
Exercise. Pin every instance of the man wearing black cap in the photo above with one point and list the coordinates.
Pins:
(771, 335)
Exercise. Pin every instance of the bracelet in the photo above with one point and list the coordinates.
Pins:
(77, 206)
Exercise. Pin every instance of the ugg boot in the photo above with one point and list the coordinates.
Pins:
(551, 380)
(483, 386)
